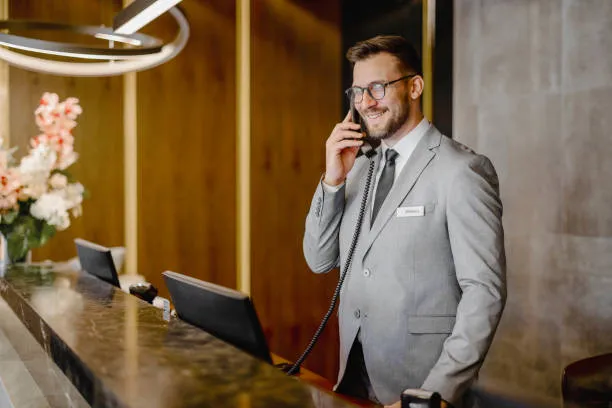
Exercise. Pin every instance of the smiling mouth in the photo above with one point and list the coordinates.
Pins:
(374, 115)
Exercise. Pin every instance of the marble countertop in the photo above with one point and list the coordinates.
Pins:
(119, 351)
(28, 376)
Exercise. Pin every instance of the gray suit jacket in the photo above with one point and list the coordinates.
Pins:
(427, 283)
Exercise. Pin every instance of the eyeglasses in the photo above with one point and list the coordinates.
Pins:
(376, 90)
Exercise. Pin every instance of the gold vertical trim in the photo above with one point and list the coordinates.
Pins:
(130, 180)
(5, 124)
(130, 219)
(428, 45)
(130, 175)
(243, 141)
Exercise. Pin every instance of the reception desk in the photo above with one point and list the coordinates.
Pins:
(119, 351)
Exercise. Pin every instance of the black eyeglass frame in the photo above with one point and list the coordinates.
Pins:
(349, 92)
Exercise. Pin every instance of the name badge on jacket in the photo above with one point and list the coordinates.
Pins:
(416, 211)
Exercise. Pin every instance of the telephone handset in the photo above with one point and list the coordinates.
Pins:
(369, 150)
(369, 143)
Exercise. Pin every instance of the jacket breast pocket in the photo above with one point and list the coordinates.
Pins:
(431, 324)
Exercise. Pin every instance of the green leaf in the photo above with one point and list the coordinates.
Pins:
(31, 231)
(47, 232)
(17, 240)
(17, 248)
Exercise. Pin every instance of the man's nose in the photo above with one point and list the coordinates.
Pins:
(368, 101)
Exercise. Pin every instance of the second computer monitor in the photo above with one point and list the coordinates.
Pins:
(225, 313)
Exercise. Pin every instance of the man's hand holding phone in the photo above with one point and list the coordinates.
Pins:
(341, 150)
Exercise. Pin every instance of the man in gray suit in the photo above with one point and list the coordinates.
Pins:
(426, 285)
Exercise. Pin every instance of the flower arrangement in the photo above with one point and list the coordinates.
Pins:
(37, 194)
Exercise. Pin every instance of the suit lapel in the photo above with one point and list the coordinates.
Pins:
(418, 161)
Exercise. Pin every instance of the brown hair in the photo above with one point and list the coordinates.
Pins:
(395, 45)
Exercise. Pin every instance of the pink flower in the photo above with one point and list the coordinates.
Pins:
(56, 120)
(49, 99)
(72, 109)
(10, 186)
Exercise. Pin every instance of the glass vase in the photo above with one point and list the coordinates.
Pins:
(8, 258)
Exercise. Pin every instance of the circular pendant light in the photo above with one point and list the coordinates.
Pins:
(144, 51)
(144, 44)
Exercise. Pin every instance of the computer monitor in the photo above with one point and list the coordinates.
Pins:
(97, 260)
(225, 313)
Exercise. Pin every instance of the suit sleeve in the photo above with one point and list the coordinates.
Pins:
(474, 217)
(321, 236)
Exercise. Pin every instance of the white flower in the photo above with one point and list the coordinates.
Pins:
(73, 195)
(77, 211)
(35, 169)
(34, 190)
(58, 181)
(40, 159)
(52, 208)
(66, 160)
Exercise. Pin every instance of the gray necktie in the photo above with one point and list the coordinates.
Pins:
(385, 182)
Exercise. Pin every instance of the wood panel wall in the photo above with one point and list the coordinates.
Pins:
(98, 136)
(296, 100)
(186, 151)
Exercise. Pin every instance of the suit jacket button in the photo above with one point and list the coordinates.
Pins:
(366, 273)
(357, 313)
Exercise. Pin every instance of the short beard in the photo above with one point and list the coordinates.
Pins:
(393, 127)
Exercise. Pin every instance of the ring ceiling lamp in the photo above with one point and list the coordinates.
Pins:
(140, 52)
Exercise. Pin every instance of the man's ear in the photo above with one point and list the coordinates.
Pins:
(416, 87)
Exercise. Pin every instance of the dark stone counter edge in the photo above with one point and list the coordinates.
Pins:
(75, 370)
